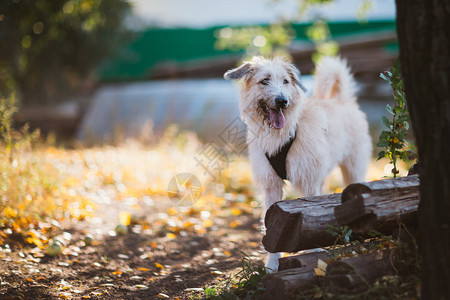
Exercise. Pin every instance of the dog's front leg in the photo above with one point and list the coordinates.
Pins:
(273, 193)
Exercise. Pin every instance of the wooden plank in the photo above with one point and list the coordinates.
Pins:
(379, 205)
(299, 224)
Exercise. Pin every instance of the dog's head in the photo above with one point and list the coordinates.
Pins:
(271, 92)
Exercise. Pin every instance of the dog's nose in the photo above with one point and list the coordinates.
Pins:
(281, 102)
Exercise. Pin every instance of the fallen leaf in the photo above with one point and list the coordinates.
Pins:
(319, 272)
(172, 236)
(141, 286)
(321, 268)
(235, 223)
(125, 218)
(236, 212)
(162, 296)
(321, 265)
(159, 266)
(194, 290)
(144, 269)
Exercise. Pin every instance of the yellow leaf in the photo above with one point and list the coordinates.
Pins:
(235, 223)
(159, 266)
(172, 211)
(9, 212)
(208, 223)
(117, 272)
(30, 280)
(170, 235)
(319, 272)
(321, 265)
(226, 253)
(125, 218)
(321, 268)
(236, 212)
(143, 269)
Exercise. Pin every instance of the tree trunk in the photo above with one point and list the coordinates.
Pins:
(423, 33)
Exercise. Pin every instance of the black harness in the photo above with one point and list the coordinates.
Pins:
(278, 160)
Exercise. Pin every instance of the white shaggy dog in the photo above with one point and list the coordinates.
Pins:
(297, 138)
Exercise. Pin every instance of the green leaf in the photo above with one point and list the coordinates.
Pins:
(389, 109)
(381, 154)
(383, 144)
(384, 77)
(397, 110)
(386, 121)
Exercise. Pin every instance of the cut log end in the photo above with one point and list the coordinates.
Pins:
(353, 191)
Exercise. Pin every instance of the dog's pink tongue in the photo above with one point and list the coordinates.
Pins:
(276, 118)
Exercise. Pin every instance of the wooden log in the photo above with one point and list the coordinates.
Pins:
(379, 205)
(310, 258)
(299, 224)
(302, 260)
(285, 284)
(357, 273)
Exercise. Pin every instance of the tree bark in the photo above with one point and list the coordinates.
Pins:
(423, 33)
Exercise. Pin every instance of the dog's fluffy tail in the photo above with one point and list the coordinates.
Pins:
(334, 80)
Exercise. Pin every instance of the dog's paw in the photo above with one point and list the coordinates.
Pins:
(272, 262)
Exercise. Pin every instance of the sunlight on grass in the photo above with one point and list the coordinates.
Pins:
(43, 186)
(48, 184)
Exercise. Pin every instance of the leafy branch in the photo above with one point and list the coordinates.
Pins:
(394, 140)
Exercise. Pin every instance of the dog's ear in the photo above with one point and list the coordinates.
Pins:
(296, 76)
(238, 72)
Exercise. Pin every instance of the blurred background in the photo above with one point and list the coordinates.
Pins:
(102, 71)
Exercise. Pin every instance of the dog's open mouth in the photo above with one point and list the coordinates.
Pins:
(276, 118)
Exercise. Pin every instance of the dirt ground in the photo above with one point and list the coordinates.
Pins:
(151, 261)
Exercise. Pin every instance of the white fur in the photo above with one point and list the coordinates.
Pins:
(331, 130)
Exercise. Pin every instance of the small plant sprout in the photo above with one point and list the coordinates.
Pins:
(393, 140)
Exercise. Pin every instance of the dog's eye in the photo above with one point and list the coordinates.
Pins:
(285, 81)
(265, 81)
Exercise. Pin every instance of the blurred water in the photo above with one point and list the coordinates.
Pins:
(205, 106)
